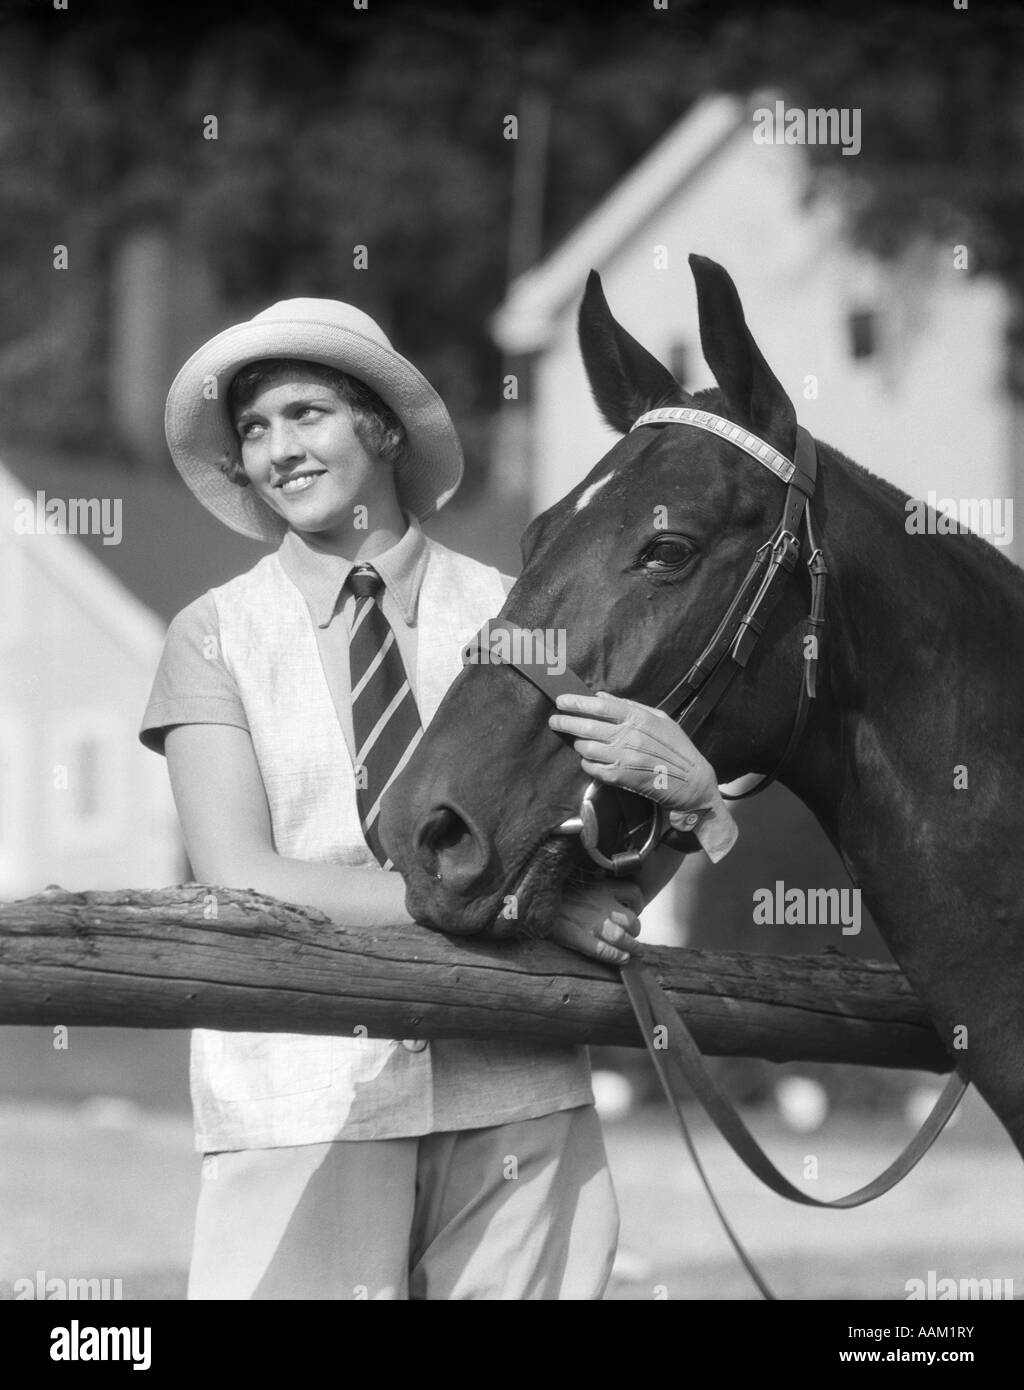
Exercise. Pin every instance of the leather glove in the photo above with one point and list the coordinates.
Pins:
(630, 745)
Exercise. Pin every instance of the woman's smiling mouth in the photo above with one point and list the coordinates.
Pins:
(299, 482)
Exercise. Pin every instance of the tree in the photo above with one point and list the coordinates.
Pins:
(384, 128)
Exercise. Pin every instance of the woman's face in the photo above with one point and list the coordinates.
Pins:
(302, 455)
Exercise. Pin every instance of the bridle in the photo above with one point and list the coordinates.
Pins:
(692, 699)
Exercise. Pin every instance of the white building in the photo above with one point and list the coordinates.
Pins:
(82, 803)
(901, 366)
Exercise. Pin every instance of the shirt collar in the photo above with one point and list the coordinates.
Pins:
(320, 576)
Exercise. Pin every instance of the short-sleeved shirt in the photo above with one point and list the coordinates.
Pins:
(193, 684)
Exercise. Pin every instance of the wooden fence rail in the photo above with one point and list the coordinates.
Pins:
(195, 956)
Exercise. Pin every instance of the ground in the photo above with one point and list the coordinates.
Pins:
(93, 1188)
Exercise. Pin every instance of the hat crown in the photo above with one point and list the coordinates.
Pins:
(331, 312)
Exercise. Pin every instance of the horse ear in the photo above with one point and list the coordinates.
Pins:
(625, 380)
(752, 391)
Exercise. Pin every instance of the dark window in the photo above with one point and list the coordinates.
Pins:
(679, 362)
(1015, 360)
(863, 326)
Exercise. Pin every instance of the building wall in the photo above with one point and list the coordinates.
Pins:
(82, 803)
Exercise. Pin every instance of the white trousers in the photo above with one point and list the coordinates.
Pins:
(517, 1211)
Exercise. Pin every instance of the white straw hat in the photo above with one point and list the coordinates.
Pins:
(201, 436)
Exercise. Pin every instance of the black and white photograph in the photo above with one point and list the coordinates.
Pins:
(511, 666)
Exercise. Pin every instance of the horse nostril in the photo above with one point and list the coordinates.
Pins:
(442, 829)
(447, 847)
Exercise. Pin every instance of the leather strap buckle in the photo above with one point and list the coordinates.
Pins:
(786, 550)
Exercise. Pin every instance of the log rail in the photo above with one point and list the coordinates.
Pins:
(195, 956)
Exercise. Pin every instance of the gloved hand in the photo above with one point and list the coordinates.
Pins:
(631, 745)
(634, 746)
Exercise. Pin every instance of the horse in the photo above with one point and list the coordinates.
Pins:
(911, 756)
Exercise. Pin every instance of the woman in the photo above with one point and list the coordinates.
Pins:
(286, 701)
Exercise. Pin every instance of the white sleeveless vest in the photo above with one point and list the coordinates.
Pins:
(256, 1090)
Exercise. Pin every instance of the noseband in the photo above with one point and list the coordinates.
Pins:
(692, 699)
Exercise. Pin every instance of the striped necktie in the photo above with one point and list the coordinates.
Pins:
(385, 720)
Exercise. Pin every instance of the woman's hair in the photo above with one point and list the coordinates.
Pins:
(376, 425)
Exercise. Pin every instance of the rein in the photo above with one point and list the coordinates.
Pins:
(681, 1069)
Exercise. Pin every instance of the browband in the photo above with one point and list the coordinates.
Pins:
(758, 449)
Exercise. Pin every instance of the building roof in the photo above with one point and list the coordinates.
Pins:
(171, 549)
(523, 323)
(77, 571)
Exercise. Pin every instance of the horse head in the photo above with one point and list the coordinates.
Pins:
(624, 580)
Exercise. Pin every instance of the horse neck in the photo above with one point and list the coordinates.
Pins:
(924, 632)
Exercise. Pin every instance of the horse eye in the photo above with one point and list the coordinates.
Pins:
(667, 553)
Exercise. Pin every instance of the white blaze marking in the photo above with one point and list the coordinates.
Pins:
(588, 494)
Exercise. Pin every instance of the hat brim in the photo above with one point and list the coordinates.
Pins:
(202, 438)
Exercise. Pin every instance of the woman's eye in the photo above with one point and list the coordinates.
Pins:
(667, 553)
(249, 430)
